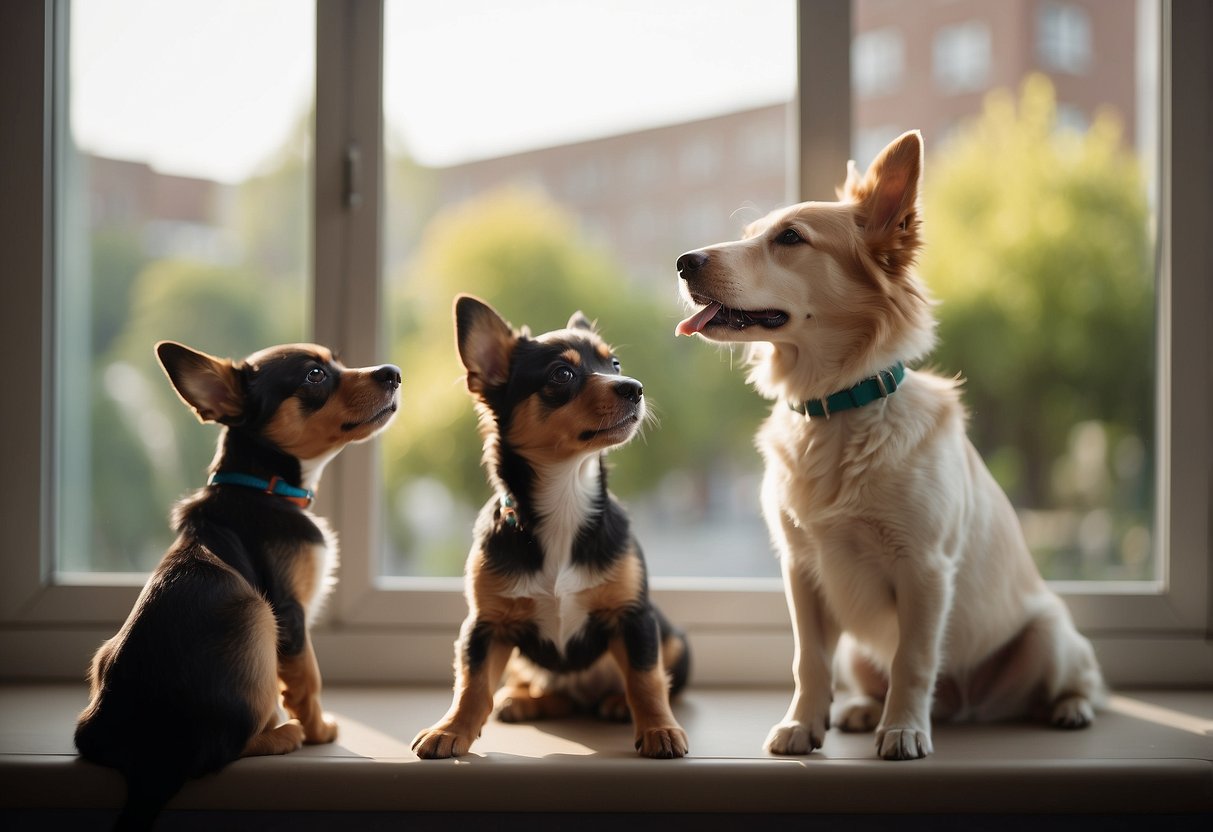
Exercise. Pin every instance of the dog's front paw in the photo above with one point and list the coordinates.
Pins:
(441, 742)
(858, 714)
(614, 708)
(903, 743)
(323, 731)
(519, 709)
(1072, 712)
(662, 743)
(795, 737)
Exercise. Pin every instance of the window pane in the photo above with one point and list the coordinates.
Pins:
(550, 157)
(1040, 128)
(534, 188)
(184, 194)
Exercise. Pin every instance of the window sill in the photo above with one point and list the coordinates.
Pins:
(1148, 752)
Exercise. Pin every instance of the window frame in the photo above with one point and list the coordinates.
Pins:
(50, 624)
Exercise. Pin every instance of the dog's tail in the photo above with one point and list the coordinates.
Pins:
(148, 789)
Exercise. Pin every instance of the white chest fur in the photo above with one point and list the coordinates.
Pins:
(564, 501)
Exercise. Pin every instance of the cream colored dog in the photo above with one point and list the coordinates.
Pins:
(903, 561)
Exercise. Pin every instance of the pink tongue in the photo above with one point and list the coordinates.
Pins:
(698, 321)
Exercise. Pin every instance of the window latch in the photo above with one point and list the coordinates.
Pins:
(352, 196)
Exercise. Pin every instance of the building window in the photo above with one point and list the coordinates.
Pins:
(878, 62)
(1063, 37)
(961, 57)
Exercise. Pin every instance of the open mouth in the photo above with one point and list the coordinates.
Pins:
(620, 426)
(381, 416)
(716, 314)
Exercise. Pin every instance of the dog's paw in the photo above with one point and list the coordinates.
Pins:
(903, 743)
(290, 736)
(614, 708)
(519, 709)
(323, 731)
(858, 714)
(796, 737)
(1072, 712)
(441, 742)
(662, 743)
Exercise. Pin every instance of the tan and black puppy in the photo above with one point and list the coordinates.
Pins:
(556, 583)
(219, 635)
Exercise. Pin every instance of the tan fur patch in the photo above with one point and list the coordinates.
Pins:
(672, 649)
(546, 436)
(490, 600)
(619, 591)
(303, 573)
(308, 435)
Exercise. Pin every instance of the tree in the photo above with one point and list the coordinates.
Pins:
(139, 426)
(1038, 248)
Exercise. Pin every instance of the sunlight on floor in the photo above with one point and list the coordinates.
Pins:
(1161, 716)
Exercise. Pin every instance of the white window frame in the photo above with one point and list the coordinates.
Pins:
(402, 629)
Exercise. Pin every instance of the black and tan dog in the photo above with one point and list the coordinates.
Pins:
(193, 679)
(554, 572)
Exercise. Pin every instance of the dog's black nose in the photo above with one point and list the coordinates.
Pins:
(630, 389)
(692, 261)
(389, 375)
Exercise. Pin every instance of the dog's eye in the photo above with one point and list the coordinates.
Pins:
(560, 375)
(615, 363)
(789, 237)
(316, 375)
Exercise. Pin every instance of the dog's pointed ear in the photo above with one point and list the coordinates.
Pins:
(210, 386)
(580, 321)
(850, 188)
(485, 342)
(888, 193)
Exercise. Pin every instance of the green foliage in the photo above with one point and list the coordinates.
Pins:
(1038, 248)
(143, 436)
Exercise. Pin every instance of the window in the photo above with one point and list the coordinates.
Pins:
(879, 61)
(962, 57)
(1063, 37)
(655, 134)
(1153, 630)
(182, 217)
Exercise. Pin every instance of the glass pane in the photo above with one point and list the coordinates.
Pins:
(561, 158)
(184, 194)
(1040, 121)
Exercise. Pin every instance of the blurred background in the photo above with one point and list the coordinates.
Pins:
(550, 157)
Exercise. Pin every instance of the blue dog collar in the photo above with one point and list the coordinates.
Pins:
(275, 485)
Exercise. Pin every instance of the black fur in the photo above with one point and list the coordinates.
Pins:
(605, 536)
(172, 698)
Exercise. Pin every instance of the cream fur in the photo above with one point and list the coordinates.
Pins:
(905, 569)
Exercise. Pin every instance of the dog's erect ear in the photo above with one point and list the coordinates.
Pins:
(580, 321)
(850, 188)
(888, 192)
(210, 386)
(485, 342)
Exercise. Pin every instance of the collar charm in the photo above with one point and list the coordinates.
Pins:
(509, 510)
